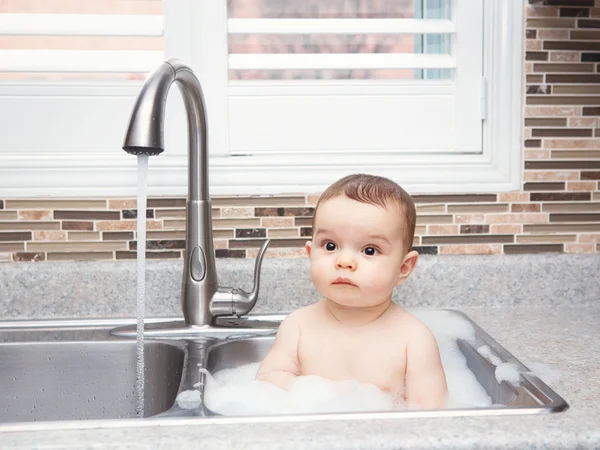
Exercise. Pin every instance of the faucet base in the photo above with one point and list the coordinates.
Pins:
(224, 328)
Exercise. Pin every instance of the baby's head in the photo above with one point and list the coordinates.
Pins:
(363, 228)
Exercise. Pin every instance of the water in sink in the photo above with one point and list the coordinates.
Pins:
(234, 391)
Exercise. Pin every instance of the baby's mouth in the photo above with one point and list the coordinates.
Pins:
(343, 282)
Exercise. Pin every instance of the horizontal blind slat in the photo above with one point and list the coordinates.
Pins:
(340, 61)
(80, 25)
(79, 60)
(339, 26)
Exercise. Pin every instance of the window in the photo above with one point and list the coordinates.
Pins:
(300, 93)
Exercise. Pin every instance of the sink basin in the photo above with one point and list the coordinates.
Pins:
(82, 374)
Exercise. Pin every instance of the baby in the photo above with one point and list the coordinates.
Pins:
(363, 228)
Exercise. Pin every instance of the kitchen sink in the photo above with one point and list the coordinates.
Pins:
(75, 372)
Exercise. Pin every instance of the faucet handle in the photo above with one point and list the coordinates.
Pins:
(243, 301)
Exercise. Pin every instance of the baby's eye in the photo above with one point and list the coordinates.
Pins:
(370, 251)
(329, 246)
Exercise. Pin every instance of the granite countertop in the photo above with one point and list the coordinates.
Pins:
(565, 338)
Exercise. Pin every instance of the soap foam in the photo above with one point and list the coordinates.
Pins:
(236, 391)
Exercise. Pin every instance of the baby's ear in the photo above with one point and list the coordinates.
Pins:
(308, 247)
(408, 264)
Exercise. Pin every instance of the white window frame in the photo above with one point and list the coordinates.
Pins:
(495, 169)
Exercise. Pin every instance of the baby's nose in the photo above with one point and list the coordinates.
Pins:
(345, 262)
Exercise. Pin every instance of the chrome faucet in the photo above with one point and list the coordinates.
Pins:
(202, 299)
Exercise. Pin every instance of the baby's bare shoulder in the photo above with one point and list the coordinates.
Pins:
(408, 324)
(302, 315)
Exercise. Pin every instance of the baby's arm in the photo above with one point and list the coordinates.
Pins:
(281, 365)
(425, 378)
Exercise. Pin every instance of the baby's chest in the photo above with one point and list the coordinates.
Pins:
(365, 358)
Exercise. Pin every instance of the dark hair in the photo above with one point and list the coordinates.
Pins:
(377, 191)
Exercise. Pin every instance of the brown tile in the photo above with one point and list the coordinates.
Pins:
(259, 201)
(283, 232)
(15, 236)
(552, 111)
(117, 235)
(562, 68)
(442, 229)
(565, 132)
(12, 246)
(550, 78)
(179, 202)
(547, 11)
(562, 100)
(237, 212)
(587, 238)
(83, 236)
(536, 154)
(133, 213)
(545, 122)
(532, 143)
(517, 218)
(282, 222)
(82, 226)
(160, 245)
(583, 35)
(86, 215)
(236, 223)
(541, 248)
(41, 225)
(29, 257)
(533, 45)
(591, 111)
(581, 186)
(468, 239)
(570, 154)
(8, 215)
(466, 198)
(125, 225)
(311, 200)
(150, 255)
(590, 175)
(560, 196)
(217, 234)
(428, 219)
(275, 243)
(536, 56)
(424, 250)
(79, 256)
(158, 235)
(535, 78)
(558, 228)
(171, 213)
(525, 207)
(176, 224)
(474, 229)
(511, 197)
(556, 34)
(566, 56)
(580, 248)
(588, 23)
(574, 12)
(421, 209)
(220, 243)
(546, 238)
(49, 235)
(574, 218)
(506, 229)
(550, 176)
(572, 207)
(421, 230)
(75, 246)
(298, 221)
(571, 45)
(473, 249)
(35, 215)
(551, 23)
(479, 208)
(469, 218)
(557, 165)
(242, 233)
(530, 34)
(287, 212)
(228, 253)
(55, 204)
(578, 144)
(585, 89)
(544, 186)
(122, 203)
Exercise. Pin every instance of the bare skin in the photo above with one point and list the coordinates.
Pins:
(356, 332)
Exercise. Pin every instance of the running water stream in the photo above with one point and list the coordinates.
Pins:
(141, 279)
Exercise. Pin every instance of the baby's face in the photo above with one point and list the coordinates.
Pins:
(356, 252)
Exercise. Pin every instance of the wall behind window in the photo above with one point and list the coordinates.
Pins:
(556, 210)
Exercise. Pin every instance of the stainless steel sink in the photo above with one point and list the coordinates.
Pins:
(71, 373)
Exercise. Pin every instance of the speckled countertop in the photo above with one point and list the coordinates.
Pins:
(562, 335)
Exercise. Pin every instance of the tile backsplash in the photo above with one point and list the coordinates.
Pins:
(557, 209)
